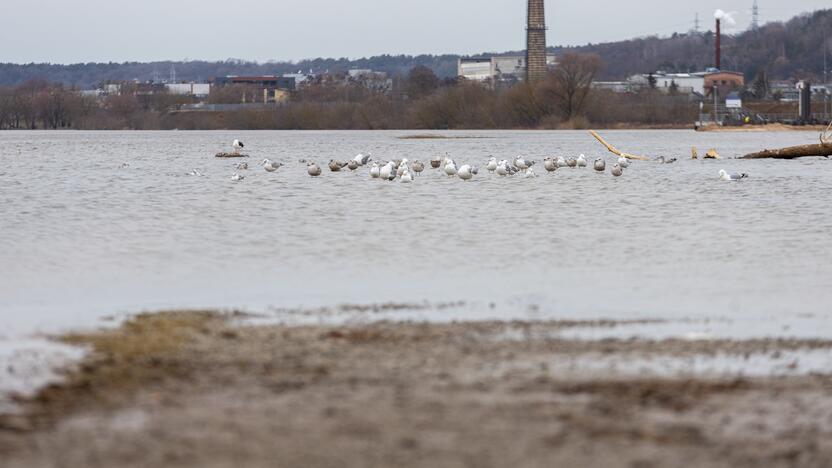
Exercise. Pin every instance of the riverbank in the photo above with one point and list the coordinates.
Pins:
(211, 390)
(777, 127)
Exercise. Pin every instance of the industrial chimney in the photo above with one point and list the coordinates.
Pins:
(718, 44)
(536, 67)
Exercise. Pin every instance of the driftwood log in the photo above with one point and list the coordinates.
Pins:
(615, 150)
(231, 155)
(793, 152)
(823, 149)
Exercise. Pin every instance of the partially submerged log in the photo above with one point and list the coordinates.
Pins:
(712, 154)
(231, 155)
(615, 150)
(803, 151)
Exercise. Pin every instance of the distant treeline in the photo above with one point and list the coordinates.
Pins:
(785, 50)
(420, 100)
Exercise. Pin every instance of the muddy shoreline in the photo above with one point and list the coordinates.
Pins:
(205, 389)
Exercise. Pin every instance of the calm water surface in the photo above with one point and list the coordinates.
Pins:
(82, 238)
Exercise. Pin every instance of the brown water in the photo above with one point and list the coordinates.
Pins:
(83, 237)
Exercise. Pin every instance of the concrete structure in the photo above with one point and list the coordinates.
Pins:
(189, 89)
(496, 70)
(536, 67)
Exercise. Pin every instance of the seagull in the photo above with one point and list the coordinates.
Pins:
(353, 164)
(600, 165)
(195, 172)
(242, 166)
(550, 164)
(623, 162)
(362, 160)
(436, 162)
(582, 161)
(237, 145)
(475, 170)
(663, 160)
(418, 167)
(388, 172)
(237, 177)
(403, 166)
(572, 162)
(450, 168)
(492, 165)
(506, 169)
(731, 177)
(617, 171)
(375, 171)
(522, 163)
(124, 166)
(529, 173)
(334, 166)
(465, 172)
(313, 169)
(271, 166)
(561, 162)
(407, 177)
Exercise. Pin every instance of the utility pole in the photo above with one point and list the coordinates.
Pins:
(825, 75)
(696, 27)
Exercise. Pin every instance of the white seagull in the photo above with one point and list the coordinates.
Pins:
(623, 162)
(375, 171)
(388, 172)
(271, 166)
(195, 172)
(731, 177)
(492, 165)
(465, 172)
(450, 168)
(313, 169)
(582, 161)
(561, 162)
(550, 165)
(237, 177)
(237, 145)
(406, 177)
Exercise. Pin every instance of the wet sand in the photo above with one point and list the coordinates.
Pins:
(203, 389)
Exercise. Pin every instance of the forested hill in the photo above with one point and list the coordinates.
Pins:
(793, 49)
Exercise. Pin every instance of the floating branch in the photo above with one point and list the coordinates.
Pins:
(615, 151)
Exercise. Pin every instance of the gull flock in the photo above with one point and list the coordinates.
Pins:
(406, 171)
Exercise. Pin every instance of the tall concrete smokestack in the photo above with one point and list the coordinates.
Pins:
(718, 44)
(536, 42)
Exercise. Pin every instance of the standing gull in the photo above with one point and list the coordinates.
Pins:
(582, 161)
(375, 171)
(600, 165)
(237, 145)
(623, 162)
(492, 165)
(418, 167)
(466, 172)
(550, 165)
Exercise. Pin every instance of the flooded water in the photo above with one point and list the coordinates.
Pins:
(84, 238)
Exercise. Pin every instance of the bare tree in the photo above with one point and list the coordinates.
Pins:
(567, 89)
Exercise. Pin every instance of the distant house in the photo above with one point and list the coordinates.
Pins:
(725, 82)
(267, 89)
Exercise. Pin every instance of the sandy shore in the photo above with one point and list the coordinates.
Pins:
(200, 389)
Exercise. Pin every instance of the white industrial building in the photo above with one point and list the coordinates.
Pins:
(189, 89)
(494, 69)
(686, 83)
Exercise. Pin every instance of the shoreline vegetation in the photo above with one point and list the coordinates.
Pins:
(420, 100)
(208, 389)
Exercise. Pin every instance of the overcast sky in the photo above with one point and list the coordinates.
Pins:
(66, 31)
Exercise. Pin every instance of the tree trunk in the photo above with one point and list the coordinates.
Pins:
(793, 152)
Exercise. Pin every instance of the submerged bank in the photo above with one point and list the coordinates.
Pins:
(204, 389)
